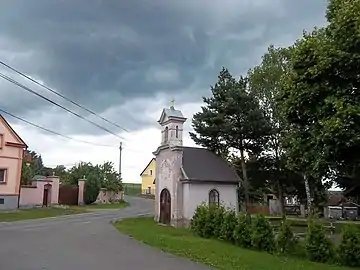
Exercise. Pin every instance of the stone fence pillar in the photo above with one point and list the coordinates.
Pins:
(81, 184)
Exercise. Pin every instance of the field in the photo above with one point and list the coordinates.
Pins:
(132, 189)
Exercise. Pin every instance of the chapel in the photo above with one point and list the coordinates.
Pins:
(188, 176)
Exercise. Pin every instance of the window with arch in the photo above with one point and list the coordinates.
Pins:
(166, 134)
(214, 197)
(177, 132)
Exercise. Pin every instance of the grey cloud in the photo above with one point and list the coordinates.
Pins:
(105, 53)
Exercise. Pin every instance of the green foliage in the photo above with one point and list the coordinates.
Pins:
(242, 232)
(231, 120)
(349, 249)
(228, 226)
(200, 221)
(32, 165)
(262, 236)
(27, 173)
(286, 241)
(319, 248)
(92, 188)
(111, 180)
(218, 221)
(320, 100)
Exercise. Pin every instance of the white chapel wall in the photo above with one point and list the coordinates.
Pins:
(195, 194)
(168, 165)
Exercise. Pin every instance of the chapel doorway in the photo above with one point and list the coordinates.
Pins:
(47, 195)
(165, 206)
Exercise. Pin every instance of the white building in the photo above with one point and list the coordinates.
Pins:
(188, 176)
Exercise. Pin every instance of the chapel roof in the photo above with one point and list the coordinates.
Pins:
(200, 164)
(171, 113)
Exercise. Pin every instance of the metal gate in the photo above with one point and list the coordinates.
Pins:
(68, 195)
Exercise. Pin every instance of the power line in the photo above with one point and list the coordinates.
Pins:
(62, 96)
(65, 136)
(56, 104)
(51, 131)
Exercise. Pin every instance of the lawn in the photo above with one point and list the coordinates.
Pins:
(46, 212)
(35, 213)
(184, 243)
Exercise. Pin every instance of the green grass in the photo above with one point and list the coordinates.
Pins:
(35, 213)
(133, 189)
(102, 206)
(45, 212)
(221, 255)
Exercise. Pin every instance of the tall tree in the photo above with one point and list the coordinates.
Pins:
(241, 125)
(27, 172)
(111, 179)
(265, 83)
(321, 98)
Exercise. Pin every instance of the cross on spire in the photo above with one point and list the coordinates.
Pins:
(172, 104)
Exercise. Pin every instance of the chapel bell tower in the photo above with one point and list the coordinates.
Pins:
(172, 122)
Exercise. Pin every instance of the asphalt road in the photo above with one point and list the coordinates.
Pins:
(83, 242)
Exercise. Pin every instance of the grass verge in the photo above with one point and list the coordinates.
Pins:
(223, 256)
(35, 213)
(46, 212)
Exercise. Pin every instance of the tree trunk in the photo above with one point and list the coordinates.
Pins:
(245, 181)
(308, 194)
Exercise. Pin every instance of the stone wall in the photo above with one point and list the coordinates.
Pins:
(109, 196)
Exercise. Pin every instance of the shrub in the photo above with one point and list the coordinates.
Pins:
(228, 226)
(209, 229)
(349, 249)
(262, 236)
(92, 189)
(318, 246)
(219, 214)
(242, 232)
(202, 222)
(286, 240)
(197, 223)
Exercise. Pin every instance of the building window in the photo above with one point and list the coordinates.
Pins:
(148, 191)
(177, 132)
(166, 134)
(2, 201)
(214, 197)
(150, 172)
(2, 175)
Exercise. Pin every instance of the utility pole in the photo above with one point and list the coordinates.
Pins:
(120, 148)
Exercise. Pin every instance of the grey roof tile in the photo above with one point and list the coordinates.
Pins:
(173, 113)
(201, 164)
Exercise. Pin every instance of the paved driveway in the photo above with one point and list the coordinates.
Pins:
(82, 242)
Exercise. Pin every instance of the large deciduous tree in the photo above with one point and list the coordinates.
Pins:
(97, 176)
(321, 100)
(232, 121)
(265, 82)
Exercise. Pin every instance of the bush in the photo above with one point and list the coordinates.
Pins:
(219, 214)
(92, 189)
(263, 234)
(242, 232)
(203, 223)
(228, 226)
(349, 249)
(286, 240)
(318, 246)
(197, 223)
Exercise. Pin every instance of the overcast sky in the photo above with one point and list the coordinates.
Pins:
(126, 60)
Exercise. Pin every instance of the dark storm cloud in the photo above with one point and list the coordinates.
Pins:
(104, 53)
